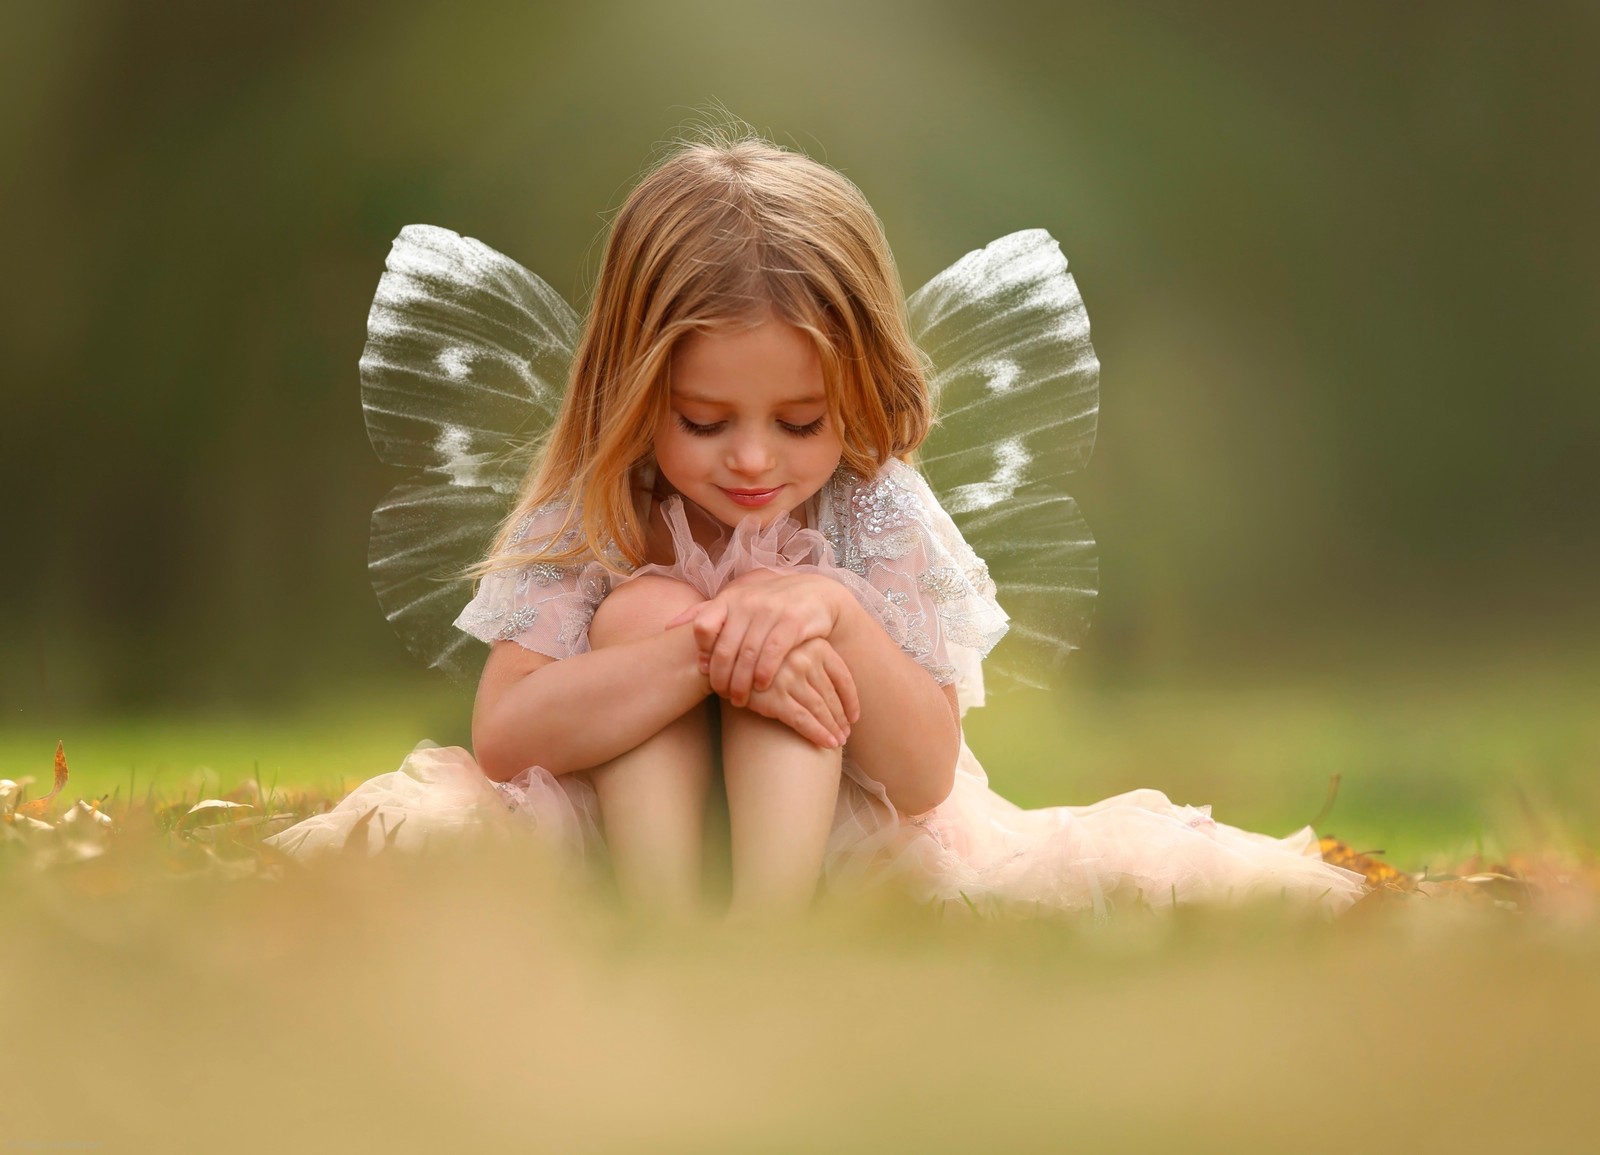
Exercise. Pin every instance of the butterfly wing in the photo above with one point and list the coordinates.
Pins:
(465, 364)
(1018, 387)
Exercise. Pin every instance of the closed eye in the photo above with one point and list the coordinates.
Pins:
(694, 430)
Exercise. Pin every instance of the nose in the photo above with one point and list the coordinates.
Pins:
(750, 456)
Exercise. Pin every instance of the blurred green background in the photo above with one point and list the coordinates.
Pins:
(1341, 267)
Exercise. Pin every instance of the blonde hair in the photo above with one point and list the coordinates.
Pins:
(723, 232)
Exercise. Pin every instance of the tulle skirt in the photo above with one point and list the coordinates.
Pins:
(439, 793)
(1138, 849)
(975, 849)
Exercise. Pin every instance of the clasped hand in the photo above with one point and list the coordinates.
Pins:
(764, 643)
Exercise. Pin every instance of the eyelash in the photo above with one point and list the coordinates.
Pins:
(811, 429)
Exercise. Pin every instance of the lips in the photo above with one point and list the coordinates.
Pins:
(751, 498)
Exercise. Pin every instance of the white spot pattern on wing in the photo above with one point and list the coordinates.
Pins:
(1011, 461)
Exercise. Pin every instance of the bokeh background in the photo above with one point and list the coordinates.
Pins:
(1341, 267)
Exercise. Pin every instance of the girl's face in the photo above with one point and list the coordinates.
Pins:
(747, 432)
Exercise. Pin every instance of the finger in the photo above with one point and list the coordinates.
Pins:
(723, 653)
(708, 618)
(822, 684)
(775, 651)
(782, 705)
(708, 626)
(800, 687)
(751, 647)
(816, 700)
(805, 723)
(844, 683)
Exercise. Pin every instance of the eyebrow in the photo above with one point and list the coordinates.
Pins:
(808, 399)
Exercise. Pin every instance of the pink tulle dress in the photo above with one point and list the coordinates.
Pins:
(889, 542)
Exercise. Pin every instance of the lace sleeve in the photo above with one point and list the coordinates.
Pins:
(931, 592)
(540, 606)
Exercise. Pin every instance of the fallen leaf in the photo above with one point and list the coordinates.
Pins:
(87, 815)
(1377, 874)
(38, 806)
(210, 811)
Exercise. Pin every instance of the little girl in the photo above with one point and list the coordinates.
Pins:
(722, 557)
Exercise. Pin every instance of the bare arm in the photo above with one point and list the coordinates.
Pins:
(909, 733)
(582, 711)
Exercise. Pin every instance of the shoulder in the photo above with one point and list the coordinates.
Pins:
(549, 528)
(546, 549)
(886, 515)
(887, 489)
(542, 586)
(890, 515)
(891, 530)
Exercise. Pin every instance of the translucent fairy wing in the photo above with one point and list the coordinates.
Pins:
(1017, 383)
(466, 359)
(1041, 555)
(423, 535)
(465, 363)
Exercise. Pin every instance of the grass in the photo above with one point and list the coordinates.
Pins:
(1429, 768)
(475, 1000)
(325, 747)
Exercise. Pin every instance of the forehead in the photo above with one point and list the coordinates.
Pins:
(771, 358)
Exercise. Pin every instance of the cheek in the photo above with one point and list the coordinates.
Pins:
(828, 453)
(675, 456)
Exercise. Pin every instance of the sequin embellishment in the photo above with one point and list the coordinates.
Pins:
(943, 583)
(520, 619)
(544, 573)
(884, 505)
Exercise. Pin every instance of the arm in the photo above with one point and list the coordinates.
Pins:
(906, 731)
(532, 710)
(909, 733)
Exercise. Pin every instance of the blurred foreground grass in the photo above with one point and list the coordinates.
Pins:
(467, 1002)
(473, 1000)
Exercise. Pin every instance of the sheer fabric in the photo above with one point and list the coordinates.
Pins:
(439, 792)
(887, 540)
(542, 606)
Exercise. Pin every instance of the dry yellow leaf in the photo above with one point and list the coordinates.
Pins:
(1377, 873)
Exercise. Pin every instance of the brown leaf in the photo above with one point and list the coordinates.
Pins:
(37, 808)
(1377, 873)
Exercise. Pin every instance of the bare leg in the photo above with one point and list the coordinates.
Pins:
(781, 795)
(652, 799)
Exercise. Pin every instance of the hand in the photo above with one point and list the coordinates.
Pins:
(813, 694)
(745, 632)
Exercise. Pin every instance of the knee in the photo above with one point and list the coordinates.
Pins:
(640, 608)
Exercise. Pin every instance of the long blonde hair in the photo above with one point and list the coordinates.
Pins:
(722, 233)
